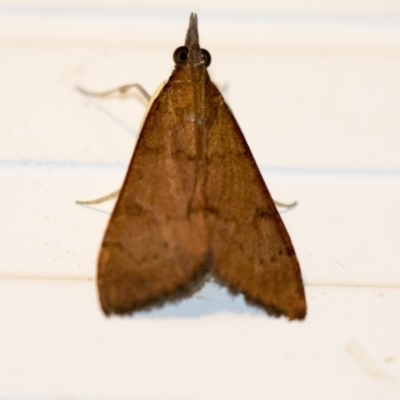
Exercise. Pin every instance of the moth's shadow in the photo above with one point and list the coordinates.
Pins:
(211, 299)
(98, 210)
(101, 106)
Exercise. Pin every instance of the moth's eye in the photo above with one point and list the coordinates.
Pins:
(181, 55)
(206, 57)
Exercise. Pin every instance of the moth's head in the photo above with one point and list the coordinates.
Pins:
(191, 53)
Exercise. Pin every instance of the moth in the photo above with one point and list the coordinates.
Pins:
(195, 207)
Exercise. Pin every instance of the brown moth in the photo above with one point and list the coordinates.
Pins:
(194, 206)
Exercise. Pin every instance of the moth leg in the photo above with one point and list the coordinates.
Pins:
(111, 196)
(121, 90)
(285, 205)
